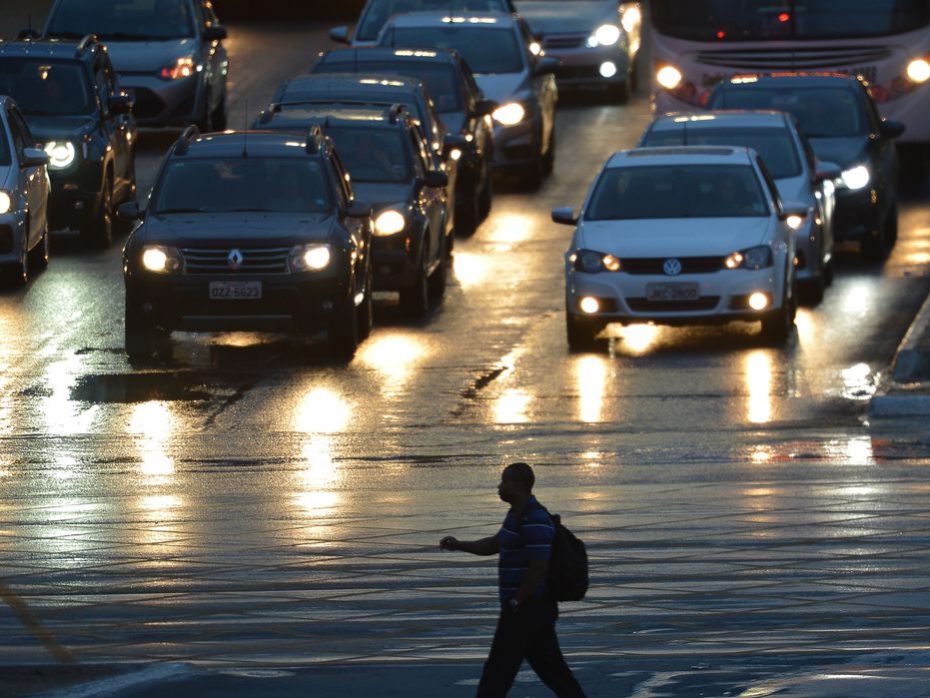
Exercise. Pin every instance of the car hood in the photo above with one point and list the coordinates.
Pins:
(673, 237)
(45, 128)
(566, 17)
(272, 229)
(378, 195)
(501, 87)
(795, 191)
(842, 151)
(148, 56)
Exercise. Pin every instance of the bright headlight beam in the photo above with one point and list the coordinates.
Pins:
(510, 114)
(794, 222)
(6, 203)
(61, 154)
(317, 258)
(856, 177)
(918, 71)
(669, 77)
(155, 259)
(607, 34)
(390, 223)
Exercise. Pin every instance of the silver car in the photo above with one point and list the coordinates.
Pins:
(24, 188)
(802, 180)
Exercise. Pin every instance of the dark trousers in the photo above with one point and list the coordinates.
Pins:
(529, 634)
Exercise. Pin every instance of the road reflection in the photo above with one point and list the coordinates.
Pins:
(322, 410)
(759, 373)
(62, 415)
(512, 407)
(321, 413)
(394, 356)
(152, 424)
(591, 377)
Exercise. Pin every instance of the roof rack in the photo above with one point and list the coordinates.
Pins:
(184, 141)
(396, 112)
(314, 139)
(29, 34)
(84, 44)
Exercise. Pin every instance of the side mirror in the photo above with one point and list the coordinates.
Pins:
(120, 104)
(129, 211)
(359, 209)
(891, 129)
(33, 157)
(827, 170)
(215, 33)
(547, 65)
(564, 215)
(484, 107)
(339, 34)
(435, 179)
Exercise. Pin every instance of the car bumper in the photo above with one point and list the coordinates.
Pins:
(809, 252)
(73, 197)
(723, 296)
(292, 302)
(518, 146)
(858, 214)
(12, 230)
(394, 261)
(164, 103)
(588, 67)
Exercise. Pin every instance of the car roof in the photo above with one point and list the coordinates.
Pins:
(368, 115)
(231, 144)
(726, 118)
(799, 79)
(469, 20)
(382, 54)
(341, 85)
(681, 155)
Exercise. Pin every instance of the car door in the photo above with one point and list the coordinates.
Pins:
(431, 200)
(884, 152)
(214, 54)
(824, 190)
(121, 128)
(354, 226)
(33, 180)
(543, 84)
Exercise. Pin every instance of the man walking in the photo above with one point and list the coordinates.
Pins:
(526, 627)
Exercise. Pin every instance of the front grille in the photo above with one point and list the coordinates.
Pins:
(641, 305)
(266, 260)
(6, 239)
(147, 105)
(689, 265)
(795, 58)
(554, 42)
(577, 72)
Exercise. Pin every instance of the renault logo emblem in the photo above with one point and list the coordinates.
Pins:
(235, 259)
(672, 267)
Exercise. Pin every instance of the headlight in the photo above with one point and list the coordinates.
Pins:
(6, 203)
(794, 222)
(161, 260)
(310, 257)
(178, 69)
(632, 18)
(595, 262)
(669, 77)
(510, 114)
(753, 258)
(604, 35)
(390, 222)
(61, 154)
(856, 178)
(918, 71)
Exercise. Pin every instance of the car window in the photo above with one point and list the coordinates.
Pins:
(769, 183)
(47, 88)
(123, 20)
(22, 136)
(343, 180)
(775, 145)
(677, 191)
(5, 145)
(373, 155)
(378, 12)
(440, 78)
(486, 49)
(275, 185)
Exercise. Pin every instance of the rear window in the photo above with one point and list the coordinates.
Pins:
(378, 12)
(46, 88)
(822, 112)
(776, 146)
(440, 78)
(225, 185)
(487, 50)
(123, 20)
(373, 155)
(677, 191)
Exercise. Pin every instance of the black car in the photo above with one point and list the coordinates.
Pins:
(249, 231)
(459, 101)
(71, 98)
(391, 170)
(168, 53)
(840, 119)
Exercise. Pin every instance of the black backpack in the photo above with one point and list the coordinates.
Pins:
(568, 565)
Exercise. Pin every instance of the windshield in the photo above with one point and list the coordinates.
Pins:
(440, 78)
(372, 155)
(273, 185)
(775, 145)
(750, 20)
(4, 148)
(115, 20)
(487, 50)
(378, 12)
(43, 88)
(822, 112)
(677, 191)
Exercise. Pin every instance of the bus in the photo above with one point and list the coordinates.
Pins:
(697, 43)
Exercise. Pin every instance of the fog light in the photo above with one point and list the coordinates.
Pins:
(758, 301)
(589, 305)
(608, 69)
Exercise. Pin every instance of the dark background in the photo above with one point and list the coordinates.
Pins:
(268, 9)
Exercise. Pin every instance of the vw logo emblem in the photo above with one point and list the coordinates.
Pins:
(235, 259)
(672, 267)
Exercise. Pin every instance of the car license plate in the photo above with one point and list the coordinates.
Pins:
(235, 290)
(672, 292)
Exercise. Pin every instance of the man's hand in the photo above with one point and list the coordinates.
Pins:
(449, 543)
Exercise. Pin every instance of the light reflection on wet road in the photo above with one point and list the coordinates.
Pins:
(250, 502)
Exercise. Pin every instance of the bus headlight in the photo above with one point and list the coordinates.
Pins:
(61, 154)
(604, 35)
(918, 71)
(510, 114)
(669, 77)
(856, 178)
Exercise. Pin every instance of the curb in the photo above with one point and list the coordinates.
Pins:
(116, 684)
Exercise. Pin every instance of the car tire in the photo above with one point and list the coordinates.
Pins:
(467, 210)
(828, 273)
(813, 289)
(16, 275)
(365, 312)
(534, 174)
(438, 279)
(581, 334)
(343, 330)
(778, 325)
(219, 119)
(415, 298)
(97, 233)
(486, 195)
(38, 255)
(139, 335)
(549, 157)
(876, 248)
(620, 92)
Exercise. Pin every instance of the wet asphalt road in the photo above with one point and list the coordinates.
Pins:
(250, 503)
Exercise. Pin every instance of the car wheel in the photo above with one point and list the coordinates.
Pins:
(467, 212)
(437, 280)
(17, 275)
(415, 298)
(98, 232)
(365, 311)
(549, 157)
(813, 289)
(778, 325)
(876, 248)
(534, 174)
(343, 330)
(220, 117)
(581, 334)
(828, 273)
(620, 92)
(487, 193)
(205, 122)
(140, 335)
(38, 255)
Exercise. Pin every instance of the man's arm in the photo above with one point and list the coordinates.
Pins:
(485, 546)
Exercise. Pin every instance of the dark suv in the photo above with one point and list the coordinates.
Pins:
(70, 96)
(391, 169)
(168, 53)
(459, 101)
(249, 231)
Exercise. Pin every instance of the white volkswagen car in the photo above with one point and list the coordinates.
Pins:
(680, 235)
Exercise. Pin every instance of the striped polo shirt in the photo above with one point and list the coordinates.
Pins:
(521, 542)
